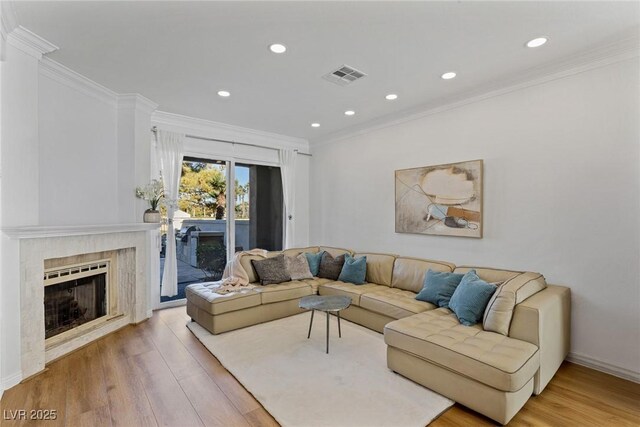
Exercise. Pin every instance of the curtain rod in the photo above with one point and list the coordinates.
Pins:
(154, 129)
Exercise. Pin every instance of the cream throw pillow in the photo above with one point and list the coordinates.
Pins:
(499, 311)
(298, 267)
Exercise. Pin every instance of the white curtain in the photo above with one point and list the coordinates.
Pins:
(170, 152)
(288, 173)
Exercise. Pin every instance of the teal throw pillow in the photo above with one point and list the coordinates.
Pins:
(314, 261)
(438, 287)
(354, 270)
(470, 299)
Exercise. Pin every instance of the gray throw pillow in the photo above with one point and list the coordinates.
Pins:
(298, 267)
(330, 267)
(271, 270)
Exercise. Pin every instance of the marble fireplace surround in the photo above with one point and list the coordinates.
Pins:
(133, 244)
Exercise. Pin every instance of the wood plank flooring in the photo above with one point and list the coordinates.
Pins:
(158, 374)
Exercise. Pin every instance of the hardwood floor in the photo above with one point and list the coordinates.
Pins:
(158, 374)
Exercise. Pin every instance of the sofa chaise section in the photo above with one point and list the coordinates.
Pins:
(489, 372)
(225, 312)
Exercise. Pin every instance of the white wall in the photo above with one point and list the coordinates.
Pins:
(20, 154)
(561, 195)
(60, 164)
(3, 48)
(19, 192)
(78, 157)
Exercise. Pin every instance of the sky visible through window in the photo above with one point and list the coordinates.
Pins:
(242, 176)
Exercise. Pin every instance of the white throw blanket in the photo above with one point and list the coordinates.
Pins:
(235, 278)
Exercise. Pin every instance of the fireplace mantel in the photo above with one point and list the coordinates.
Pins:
(39, 232)
(30, 248)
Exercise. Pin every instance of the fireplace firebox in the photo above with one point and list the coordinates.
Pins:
(74, 296)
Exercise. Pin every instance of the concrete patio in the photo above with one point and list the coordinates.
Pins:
(186, 275)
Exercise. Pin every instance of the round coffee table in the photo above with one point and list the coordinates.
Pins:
(327, 303)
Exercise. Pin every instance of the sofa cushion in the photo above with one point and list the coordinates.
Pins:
(271, 270)
(297, 251)
(470, 298)
(203, 295)
(439, 287)
(348, 289)
(499, 311)
(490, 275)
(245, 262)
(313, 259)
(330, 267)
(298, 267)
(393, 302)
(436, 336)
(284, 291)
(409, 273)
(354, 270)
(335, 251)
(316, 282)
(379, 267)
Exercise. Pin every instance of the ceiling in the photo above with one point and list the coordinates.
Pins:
(180, 54)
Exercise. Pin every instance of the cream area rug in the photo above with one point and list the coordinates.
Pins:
(302, 386)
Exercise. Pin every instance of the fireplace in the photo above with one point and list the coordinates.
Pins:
(95, 280)
(84, 292)
(74, 296)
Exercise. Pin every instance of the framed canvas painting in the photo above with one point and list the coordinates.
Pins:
(444, 200)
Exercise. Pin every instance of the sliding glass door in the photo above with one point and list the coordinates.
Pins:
(200, 223)
(215, 219)
(258, 207)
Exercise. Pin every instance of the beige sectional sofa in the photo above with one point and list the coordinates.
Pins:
(491, 372)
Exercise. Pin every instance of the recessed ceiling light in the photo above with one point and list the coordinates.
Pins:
(537, 42)
(315, 125)
(278, 48)
(449, 75)
(391, 96)
(224, 93)
(349, 113)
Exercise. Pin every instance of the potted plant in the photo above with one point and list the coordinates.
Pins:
(154, 194)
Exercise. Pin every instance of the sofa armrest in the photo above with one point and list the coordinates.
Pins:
(544, 319)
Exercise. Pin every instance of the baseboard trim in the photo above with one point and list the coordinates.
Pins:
(605, 367)
(10, 381)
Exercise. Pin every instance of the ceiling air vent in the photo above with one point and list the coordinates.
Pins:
(344, 75)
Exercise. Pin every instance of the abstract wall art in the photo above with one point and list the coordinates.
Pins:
(443, 200)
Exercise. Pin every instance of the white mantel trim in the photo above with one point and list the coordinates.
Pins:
(216, 130)
(30, 43)
(38, 232)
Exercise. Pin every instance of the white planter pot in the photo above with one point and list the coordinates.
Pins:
(151, 216)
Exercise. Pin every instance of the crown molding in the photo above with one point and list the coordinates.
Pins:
(30, 43)
(215, 130)
(8, 21)
(136, 101)
(66, 76)
(622, 49)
